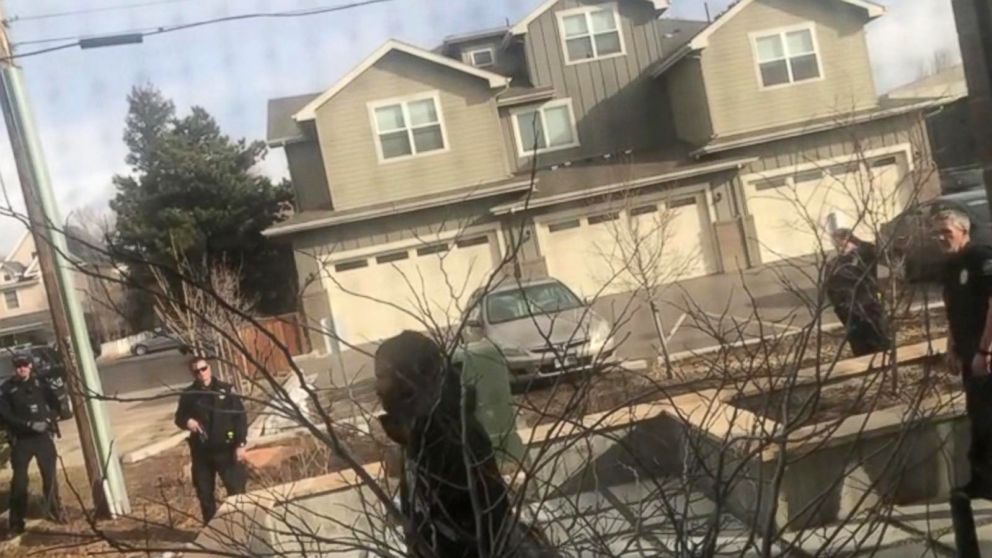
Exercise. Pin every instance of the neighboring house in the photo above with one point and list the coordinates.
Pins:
(24, 310)
(419, 170)
(952, 138)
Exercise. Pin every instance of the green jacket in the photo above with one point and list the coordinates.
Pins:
(484, 371)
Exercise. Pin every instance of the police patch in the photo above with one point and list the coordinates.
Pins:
(987, 268)
(964, 276)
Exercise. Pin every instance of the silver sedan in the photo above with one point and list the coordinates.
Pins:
(541, 327)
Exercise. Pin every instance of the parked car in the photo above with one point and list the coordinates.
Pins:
(542, 328)
(910, 243)
(160, 340)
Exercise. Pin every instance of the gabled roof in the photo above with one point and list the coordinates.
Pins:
(281, 128)
(309, 111)
(521, 27)
(949, 83)
(702, 38)
(452, 40)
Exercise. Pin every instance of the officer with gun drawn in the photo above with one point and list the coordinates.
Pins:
(215, 417)
(30, 408)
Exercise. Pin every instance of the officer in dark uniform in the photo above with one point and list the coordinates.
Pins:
(215, 417)
(852, 288)
(967, 282)
(30, 408)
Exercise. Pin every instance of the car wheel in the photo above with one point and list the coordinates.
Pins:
(140, 350)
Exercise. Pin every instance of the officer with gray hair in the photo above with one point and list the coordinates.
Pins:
(967, 285)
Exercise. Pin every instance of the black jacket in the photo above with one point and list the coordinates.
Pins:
(24, 402)
(852, 284)
(219, 411)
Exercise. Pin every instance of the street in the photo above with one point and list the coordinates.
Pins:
(147, 387)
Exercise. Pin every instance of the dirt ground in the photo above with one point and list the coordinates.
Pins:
(165, 511)
(613, 388)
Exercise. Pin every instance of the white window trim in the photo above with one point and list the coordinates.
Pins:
(373, 105)
(586, 10)
(470, 55)
(781, 32)
(524, 152)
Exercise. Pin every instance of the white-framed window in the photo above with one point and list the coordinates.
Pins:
(590, 33)
(544, 128)
(786, 56)
(408, 127)
(481, 57)
(11, 300)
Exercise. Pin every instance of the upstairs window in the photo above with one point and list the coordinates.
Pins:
(408, 127)
(549, 127)
(591, 33)
(482, 57)
(11, 300)
(787, 56)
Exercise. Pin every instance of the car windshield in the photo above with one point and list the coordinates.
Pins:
(546, 298)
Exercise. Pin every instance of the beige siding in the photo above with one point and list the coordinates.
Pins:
(617, 105)
(306, 169)
(738, 103)
(475, 150)
(690, 108)
(902, 130)
(908, 130)
(31, 299)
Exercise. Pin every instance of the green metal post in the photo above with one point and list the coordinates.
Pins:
(13, 89)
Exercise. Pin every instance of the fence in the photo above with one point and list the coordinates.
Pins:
(268, 353)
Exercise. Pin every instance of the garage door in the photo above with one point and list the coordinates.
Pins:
(791, 211)
(612, 251)
(369, 294)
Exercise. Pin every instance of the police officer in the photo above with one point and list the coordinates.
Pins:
(852, 288)
(215, 417)
(30, 408)
(967, 282)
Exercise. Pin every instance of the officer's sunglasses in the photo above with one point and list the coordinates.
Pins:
(22, 365)
(203, 368)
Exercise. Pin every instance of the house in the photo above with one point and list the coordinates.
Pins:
(527, 148)
(25, 317)
(952, 138)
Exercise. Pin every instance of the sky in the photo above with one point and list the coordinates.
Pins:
(79, 97)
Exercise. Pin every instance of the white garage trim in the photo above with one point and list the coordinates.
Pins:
(376, 291)
(405, 244)
(620, 204)
(774, 228)
(899, 149)
(588, 223)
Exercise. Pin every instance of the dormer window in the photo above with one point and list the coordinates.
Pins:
(786, 56)
(591, 33)
(482, 57)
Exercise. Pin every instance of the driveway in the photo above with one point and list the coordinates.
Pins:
(147, 386)
(696, 313)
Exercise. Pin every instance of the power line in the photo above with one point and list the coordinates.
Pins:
(92, 10)
(153, 31)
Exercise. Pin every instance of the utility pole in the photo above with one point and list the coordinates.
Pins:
(102, 463)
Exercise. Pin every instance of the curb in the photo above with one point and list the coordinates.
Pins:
(155, 448)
